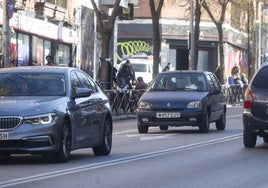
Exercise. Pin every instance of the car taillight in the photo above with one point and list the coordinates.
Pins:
(248, 99)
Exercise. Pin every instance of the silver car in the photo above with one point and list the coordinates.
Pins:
(52, 111)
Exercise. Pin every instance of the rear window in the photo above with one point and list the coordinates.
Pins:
(261, 78)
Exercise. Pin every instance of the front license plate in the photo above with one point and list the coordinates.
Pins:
(168, 114)
(3, 136)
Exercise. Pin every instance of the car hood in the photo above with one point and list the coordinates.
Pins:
(25, 106)
(175, 98)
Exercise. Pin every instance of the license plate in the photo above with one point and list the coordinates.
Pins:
(3, 136)
(168, 114)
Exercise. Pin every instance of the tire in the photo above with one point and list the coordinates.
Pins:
(204, 127)
(63, 155)
(142, 129)
(221, 123)
(106, 144)
(163, 128)
(249, 139)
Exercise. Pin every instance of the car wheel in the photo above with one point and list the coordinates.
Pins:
(163, 128)
(63, 155)
(249, 140)
(142, 129)
(220, 123)
(106, 144)
(204, 127)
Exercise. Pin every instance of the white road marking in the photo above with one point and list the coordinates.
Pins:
(132, 158)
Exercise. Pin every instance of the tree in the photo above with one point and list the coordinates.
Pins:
(156, 8)
(197, 15)
(220, 5)
(106, 28)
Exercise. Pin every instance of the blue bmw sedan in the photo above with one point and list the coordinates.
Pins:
(52, 111)
(182, 98)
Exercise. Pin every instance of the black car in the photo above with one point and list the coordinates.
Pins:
(52, 111)
(255, 113)
(182, 98)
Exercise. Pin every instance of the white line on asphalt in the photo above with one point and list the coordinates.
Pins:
(114, 161)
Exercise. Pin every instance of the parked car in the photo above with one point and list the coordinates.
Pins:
(255, 113)
(52, 111)
(182, 98)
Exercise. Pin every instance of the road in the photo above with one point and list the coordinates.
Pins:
(179, 157)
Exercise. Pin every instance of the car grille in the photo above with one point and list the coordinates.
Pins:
(9, 122)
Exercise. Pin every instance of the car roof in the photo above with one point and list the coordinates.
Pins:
(185, 71)
(43, 69)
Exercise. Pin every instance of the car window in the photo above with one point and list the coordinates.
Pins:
(210, 83)
(179, 81)
(75, 81)
(139, 67)
(32, 84)
(260, 80)
(215, 82)
(85, 81)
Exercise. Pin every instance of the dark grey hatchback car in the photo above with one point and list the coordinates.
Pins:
(52, 111)
(182, 98)
(255, 113)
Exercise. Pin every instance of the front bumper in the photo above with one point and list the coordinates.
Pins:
(186, 119)
(30, 139)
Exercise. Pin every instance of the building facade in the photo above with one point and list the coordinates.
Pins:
(136, 35)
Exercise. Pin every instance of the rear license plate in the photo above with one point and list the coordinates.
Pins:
(168, 115)
(3, 135)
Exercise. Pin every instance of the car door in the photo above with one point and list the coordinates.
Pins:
(217, 97)
(83, 111)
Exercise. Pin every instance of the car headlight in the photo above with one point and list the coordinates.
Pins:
(41, 119)
(194, 104)
(144, 105)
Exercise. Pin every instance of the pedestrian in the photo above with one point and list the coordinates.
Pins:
(244, 79)
(126, 74)
(140, 84)
(167, 68)
(49, 59)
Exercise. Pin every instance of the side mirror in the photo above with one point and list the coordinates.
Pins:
(215, 91)
(82, 92)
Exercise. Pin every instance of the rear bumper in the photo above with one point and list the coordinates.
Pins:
(254, 125)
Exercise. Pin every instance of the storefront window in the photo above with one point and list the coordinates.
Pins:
(63, 55)
(37, 51)
(23, 50)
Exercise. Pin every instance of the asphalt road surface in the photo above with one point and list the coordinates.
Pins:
(178, 157)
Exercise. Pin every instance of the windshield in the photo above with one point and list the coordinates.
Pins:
(32, 84)
(139, 67)
(179, 82)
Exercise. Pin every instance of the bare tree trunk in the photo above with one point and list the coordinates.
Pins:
(156, 33)
(106, 29)
(196, 32)
(219, 23)
(222, 77)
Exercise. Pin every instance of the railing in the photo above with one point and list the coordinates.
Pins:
(125, 101)
(234, 93)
